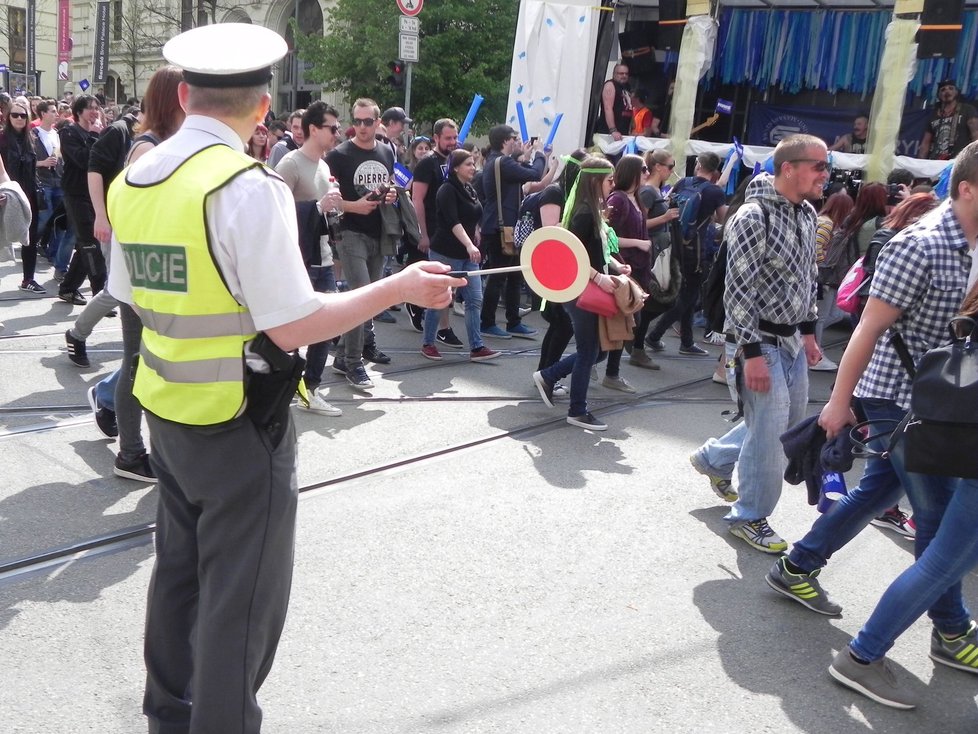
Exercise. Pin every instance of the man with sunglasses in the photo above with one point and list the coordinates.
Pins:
(363, 167)
(952, 126)
(316, 193)
(769, 299)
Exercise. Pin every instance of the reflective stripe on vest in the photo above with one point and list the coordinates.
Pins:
(192, 365)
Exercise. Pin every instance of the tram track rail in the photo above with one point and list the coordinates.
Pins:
(133, 536)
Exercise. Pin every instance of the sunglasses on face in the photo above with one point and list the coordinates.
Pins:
(818, 165)
(18, 115)
(332, 128)
(357, 122)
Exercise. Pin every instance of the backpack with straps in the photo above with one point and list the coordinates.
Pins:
(526, 220)
(715, 283)
(687, 197)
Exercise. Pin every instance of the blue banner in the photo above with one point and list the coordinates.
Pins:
(770, 123)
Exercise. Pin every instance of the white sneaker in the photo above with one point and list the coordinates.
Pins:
(318, 405)
(824, 365)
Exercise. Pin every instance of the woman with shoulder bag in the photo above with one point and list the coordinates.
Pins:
(20, 160)
(583, 216)
(665, 276)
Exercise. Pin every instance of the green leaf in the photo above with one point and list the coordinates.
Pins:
(466, 48)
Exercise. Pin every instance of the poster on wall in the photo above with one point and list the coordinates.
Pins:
(64, 38)
(770, 123)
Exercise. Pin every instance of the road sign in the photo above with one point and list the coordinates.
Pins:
(409, 25)
(408, 47)
(84, 84)
(410, 7)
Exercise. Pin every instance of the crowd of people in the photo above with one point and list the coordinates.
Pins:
(205, 142)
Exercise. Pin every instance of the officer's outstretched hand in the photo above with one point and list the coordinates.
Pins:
(426, 284)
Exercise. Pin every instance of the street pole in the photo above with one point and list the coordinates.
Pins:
(407, 89)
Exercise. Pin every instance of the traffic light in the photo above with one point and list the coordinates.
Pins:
(396, 79)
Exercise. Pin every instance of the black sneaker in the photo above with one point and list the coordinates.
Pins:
(587, 421)
(448, 338)
(416, 314)
(545, 388)
(372, 354)
(694, 350)
(339, 365)
(138, 469)
(73, 297)
(31, 286)
(358, 378)
(104, 418)
(77, 352)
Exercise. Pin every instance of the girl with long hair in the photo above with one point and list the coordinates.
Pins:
(836, 210)
(258, 145)
(627, 216)
(584, 217)
(20, 160)
(560, 330)
(162, 117)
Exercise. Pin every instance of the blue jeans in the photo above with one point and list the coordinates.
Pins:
(946, 513)
(323, 281)
(471, 295)
(880, 487)
(579, 364)
(105, 391)
(719, 455)
(760, 468)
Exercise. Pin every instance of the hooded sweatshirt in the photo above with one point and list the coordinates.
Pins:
(770, 284)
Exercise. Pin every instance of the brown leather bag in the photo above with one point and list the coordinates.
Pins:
(506, 238)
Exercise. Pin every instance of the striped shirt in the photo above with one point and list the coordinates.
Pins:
(923, 271)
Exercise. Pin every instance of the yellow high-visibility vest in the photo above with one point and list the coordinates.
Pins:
(191, 360)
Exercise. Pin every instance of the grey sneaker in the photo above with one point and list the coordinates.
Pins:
(874, 680)
(722, 487)
(758, 535)
(617, 383)
(641, 358)
(960, 653)
(802, 587)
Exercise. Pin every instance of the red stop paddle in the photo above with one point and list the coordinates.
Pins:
(554, 262)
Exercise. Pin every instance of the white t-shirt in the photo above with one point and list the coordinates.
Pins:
(308, 180)
(252, 226)
(50, 140)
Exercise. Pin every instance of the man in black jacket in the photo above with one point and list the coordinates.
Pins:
(77, 140)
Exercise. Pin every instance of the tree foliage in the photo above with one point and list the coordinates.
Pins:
(466, 47)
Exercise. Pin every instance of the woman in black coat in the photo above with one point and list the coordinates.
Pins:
(17, 151)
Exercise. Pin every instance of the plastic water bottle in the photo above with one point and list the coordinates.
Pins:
(833, 490)
(333, 218)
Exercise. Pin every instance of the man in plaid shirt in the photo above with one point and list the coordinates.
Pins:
(919, 285)
(769, 299)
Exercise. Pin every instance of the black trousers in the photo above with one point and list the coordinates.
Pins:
(220, 587)
(559, 333)
(507, 284)
(88, 260)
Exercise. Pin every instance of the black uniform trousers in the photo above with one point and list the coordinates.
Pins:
(220, 587)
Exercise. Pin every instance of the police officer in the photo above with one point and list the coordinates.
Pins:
(206, 251)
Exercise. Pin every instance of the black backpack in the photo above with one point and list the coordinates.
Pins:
(940, 432)
(715, 284)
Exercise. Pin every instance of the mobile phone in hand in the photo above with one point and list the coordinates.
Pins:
(379, 194)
